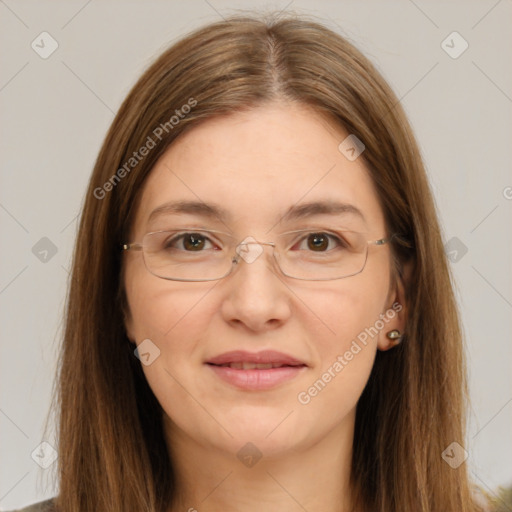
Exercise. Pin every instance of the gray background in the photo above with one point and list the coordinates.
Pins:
(55, 113)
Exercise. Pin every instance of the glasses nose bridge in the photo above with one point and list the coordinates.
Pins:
(247, 258)
(273, 244)
(253, 242)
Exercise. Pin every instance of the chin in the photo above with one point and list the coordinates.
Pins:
(272, 432)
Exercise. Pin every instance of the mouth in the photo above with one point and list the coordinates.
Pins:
(256, 371)
(265, 357)
(246, 365)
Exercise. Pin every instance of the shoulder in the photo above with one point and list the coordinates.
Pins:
(41, 506)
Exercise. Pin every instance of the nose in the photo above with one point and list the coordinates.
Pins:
(254, 294)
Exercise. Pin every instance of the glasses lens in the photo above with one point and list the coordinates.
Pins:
(322, 255)
(187, 255)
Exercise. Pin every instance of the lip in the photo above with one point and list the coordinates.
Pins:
(256, 379)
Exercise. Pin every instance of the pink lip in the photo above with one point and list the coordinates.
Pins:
(256, 379)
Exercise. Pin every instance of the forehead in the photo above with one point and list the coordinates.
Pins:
(256, 165)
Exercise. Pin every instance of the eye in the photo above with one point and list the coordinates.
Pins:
(190, 242)
(321, 242)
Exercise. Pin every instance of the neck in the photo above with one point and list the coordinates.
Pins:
(314, 476)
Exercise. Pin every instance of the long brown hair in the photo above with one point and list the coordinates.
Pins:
(112, 453)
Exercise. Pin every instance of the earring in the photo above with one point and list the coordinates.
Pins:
(395, 336)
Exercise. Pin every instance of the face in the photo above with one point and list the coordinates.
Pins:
(257, 165)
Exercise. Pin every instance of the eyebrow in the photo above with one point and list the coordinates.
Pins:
(325, 207)
(192, 208)
(295, 212)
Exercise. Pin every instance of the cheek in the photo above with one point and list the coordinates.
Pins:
(345, 346)
(346, 310)
(159, 308)
(175, 317)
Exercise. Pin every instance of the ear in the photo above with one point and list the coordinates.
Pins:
(396, 309)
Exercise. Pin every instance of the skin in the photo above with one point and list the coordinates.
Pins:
(256, 164)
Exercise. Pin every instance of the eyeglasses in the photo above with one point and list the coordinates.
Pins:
(193, 254)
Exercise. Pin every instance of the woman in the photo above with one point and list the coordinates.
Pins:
(260, 312)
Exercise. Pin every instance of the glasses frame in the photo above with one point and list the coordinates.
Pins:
(138, 246)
